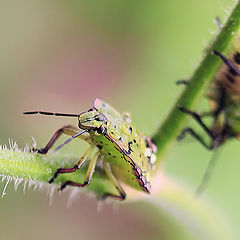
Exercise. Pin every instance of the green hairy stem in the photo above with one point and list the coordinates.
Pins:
(22, 165)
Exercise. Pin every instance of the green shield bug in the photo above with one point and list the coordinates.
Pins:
(127, 155)
(225, 101)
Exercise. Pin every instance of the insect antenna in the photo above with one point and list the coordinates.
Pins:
(52, 113)
(71, 138)
(208, 172)
(229, 63)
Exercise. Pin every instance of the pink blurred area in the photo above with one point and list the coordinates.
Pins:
(83, 218)
(57, 57)
(82, 71)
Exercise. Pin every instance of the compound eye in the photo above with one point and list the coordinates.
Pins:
(101, 130)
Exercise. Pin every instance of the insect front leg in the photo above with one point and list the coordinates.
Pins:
(88, 178)
(122, 194)
(67, 129)
(215, 139)
(197, 117)
(84, 157)
(195, 135)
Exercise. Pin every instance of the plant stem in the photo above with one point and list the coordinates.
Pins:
(25, 166)
(201, 78)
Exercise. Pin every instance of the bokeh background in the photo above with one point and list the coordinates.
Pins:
(60, 55)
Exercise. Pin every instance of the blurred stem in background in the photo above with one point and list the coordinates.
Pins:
(200, 80)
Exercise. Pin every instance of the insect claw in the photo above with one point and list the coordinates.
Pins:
(41, 151)
(51, 180)
(34, 150)
(180, 137)
(62, 187)
(181, 108)
(182, 82)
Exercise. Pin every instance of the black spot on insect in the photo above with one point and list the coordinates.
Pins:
(129, 148)
(114, 156)
(230, 79)
(140, 155)
(99, 147)
(130, 129)
(115, 126)
(112, 133)
(109, 154)
(237, 57)
(134, 140)
(120, 139)
(101, 142)
(127, 160)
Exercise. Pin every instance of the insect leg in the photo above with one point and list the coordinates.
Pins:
(208, 172)
(195, 135)
(67, 129)
(197, 117)
(208, 114)
(122, 194)
(89, 174)
(228, 62)
(182, 82)
(84, 157)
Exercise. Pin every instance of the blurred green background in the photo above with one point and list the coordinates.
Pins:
(60, 55)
